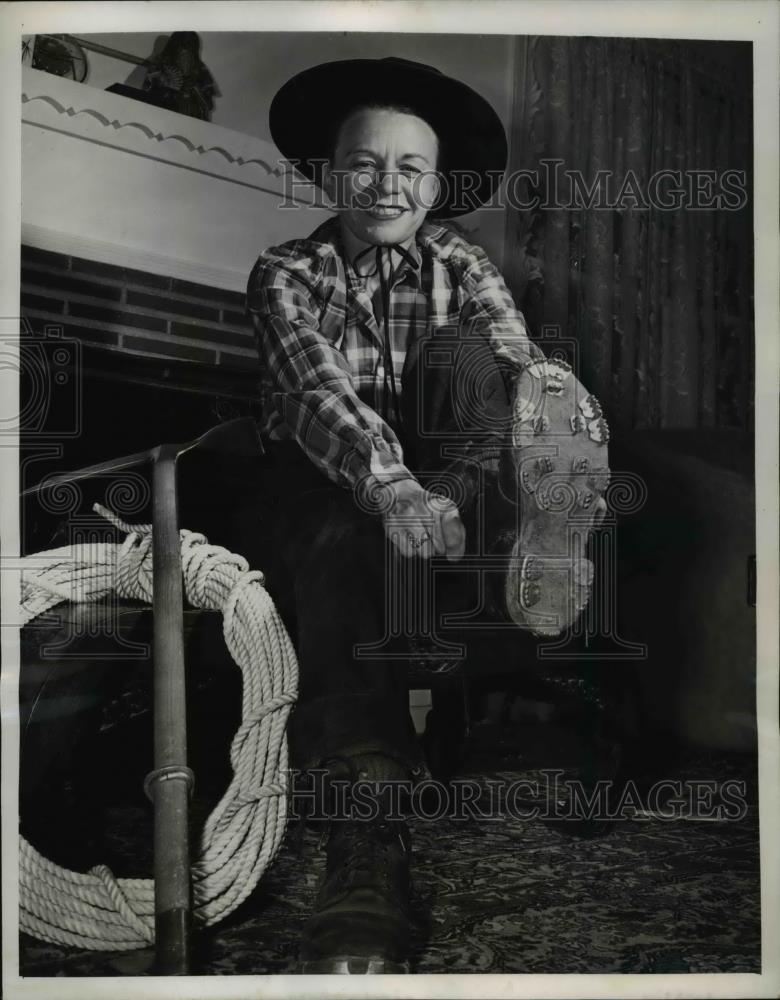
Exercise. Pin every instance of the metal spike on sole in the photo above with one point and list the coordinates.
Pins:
(549, 581)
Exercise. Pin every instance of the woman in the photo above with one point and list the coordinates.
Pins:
(393, 357)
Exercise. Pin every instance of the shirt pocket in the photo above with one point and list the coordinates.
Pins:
(331, 309)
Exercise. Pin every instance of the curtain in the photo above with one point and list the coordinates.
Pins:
(640, 276)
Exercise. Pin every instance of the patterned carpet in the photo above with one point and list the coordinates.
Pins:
(511, 895)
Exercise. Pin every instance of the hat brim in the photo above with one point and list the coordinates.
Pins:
(306, 112)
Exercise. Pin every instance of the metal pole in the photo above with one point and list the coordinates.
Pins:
(104, 50)
(170, 782)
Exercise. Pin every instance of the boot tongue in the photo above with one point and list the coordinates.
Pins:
(375, 767)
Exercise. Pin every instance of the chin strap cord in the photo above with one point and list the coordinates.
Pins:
(242, 835)
(386, 275)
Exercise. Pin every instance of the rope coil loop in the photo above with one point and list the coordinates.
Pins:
(244, 831)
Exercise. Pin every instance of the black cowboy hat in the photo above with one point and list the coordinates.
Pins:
(307, 111)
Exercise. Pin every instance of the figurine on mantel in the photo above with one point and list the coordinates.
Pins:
(174, 78)
(178, 80)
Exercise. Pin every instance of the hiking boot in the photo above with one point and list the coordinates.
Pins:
(559, 454)
(360, 924)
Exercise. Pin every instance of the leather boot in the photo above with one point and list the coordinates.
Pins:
(361, 918)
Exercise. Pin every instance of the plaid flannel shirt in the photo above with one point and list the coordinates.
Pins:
(322, 348)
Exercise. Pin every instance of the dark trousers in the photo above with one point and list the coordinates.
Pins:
(349, 600)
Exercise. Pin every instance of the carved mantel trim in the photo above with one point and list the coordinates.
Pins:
(51, 102)
(204, 223)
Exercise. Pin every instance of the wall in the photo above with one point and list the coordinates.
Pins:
(249, 68)
(134, 357)
(136, 311)
(113, 180)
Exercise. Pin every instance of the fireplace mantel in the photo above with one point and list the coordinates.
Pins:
(114, 180)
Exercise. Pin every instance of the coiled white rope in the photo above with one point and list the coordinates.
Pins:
(242, 835)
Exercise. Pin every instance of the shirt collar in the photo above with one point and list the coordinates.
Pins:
(360, 265)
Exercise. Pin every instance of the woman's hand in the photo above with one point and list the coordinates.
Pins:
(423, 524)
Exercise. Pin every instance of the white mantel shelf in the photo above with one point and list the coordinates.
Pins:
(122, 182)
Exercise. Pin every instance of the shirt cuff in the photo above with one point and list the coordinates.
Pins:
(371, 468)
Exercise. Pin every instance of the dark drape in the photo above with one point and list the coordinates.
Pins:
(654, 302)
